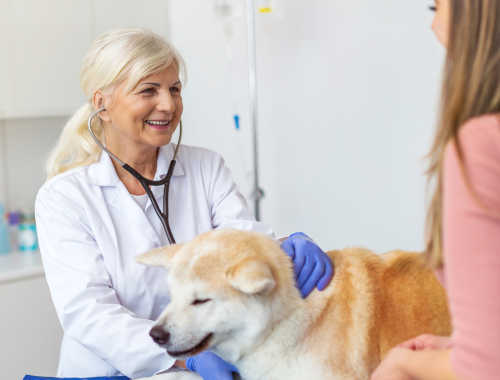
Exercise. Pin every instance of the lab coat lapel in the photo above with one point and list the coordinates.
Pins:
(117, 196)
(165, 155)
(103, 173)
(139, 222)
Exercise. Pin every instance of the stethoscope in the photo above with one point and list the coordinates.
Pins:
(146, 183)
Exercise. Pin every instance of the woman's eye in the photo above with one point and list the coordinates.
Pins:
(175, 90)
(433, 8)
(200, 301)
(147, 91)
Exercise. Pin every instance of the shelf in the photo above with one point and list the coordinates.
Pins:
(36, 114)
(16, 266)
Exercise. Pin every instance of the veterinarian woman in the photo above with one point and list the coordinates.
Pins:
(464, 216)
(94, 217)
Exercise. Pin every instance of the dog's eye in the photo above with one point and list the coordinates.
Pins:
(200, 301)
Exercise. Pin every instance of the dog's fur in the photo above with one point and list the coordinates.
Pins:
(256, 319)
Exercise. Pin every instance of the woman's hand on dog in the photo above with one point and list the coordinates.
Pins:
(395, 365)
(390, 368)
(427, 341)
(312, 267)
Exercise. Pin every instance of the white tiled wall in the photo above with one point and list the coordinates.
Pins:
(24, 146)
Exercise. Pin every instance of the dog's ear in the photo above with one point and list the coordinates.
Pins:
(251, 276)
(159, 257)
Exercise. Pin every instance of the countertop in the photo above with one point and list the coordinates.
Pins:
(16, 266)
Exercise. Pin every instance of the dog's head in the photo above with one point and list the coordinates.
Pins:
(224, 288)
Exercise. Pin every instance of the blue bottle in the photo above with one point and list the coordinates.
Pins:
(4, 232)
(27, 237)
(13, 220)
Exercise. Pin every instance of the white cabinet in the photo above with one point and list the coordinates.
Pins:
(43, 43)
(4, 56)
(30, 331)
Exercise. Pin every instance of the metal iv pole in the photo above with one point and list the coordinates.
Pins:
(257, 192)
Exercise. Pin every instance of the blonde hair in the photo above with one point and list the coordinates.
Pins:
(471, 87)
(120, 55)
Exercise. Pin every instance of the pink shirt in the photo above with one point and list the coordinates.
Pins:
(471, 246)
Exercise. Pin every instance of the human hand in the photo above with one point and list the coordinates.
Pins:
(211, 367)
(312, 267)
(390, 368)
(427, 341)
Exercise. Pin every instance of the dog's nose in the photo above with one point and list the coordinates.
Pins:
(159, 335)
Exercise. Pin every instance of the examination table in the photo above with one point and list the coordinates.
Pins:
(178, 375)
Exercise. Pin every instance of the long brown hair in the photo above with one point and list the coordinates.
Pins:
(471, 87)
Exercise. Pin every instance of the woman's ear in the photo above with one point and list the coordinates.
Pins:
(99, 101)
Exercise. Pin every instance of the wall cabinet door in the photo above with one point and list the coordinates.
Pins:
(44, 43)
(3, 68)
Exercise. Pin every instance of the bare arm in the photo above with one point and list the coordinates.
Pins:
(404, 364)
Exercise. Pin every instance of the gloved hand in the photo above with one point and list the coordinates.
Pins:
(311, 265)
(211, 367)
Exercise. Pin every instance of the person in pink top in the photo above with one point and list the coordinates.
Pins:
(464, 215)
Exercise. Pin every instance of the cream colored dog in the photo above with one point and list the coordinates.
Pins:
(234, 293)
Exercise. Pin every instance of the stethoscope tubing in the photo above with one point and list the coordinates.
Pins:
(145, 182)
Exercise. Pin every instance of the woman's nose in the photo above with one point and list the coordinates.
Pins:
(159, 335)
(166, 102)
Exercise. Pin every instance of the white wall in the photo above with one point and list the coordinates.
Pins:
(347, 97)
(27, 143)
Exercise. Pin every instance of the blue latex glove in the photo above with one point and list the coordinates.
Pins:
(29, 377)
(311, 265)
(211, 367)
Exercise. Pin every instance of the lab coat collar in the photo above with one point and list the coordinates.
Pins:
(103, 173)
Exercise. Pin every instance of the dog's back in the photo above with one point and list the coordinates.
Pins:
(414, 301)
(374, 303)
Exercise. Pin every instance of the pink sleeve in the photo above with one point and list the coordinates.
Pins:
(471, 244)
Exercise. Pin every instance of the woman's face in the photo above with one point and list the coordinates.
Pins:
(441, 20)
(147, 116)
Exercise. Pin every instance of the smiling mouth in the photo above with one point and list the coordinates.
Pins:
(158, 124)
(194, 350)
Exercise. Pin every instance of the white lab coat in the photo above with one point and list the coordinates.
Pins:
(90, 229)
